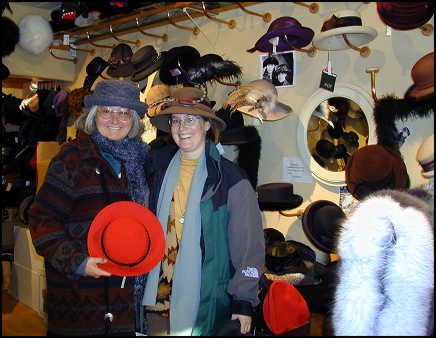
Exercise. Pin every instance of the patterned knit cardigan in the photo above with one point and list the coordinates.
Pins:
(67, 202)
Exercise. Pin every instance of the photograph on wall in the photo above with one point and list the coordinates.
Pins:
(279, 68)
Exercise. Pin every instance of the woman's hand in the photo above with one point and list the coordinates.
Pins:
(92, 270)
(245, 322)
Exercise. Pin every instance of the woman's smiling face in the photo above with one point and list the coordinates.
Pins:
(113, 122)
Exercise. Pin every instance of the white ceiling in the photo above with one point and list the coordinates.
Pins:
(43, 5)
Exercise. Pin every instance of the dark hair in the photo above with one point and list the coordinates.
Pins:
(270, 61)
(282, 69)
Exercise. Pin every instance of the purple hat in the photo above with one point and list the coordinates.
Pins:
(297, 35)
(58, 100)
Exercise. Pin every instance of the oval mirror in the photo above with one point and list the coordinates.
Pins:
(333, 125)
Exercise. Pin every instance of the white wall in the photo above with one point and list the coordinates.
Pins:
(395, 55)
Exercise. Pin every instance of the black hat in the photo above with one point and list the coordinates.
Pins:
(277, 196)
(272, 235)
(94, 69)
(145, 61)
(177, 61)
(321, 222)
(10, 35)
(235, 132)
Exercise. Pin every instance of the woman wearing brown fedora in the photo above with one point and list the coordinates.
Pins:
(209, 212)
(101, 166)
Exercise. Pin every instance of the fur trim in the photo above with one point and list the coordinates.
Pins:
(390, 109)
(210, 71)
(386, 272)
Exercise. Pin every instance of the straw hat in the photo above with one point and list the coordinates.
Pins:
(425, 157)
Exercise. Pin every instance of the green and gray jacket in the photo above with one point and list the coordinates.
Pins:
(232, 242)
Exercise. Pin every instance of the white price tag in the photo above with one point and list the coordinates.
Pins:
(73, 52)
(66, 39)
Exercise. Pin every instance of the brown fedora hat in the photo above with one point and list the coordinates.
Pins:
(373, 168)
(186, 100)
(423, 78)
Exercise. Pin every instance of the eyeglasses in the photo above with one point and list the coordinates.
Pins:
(123, 115)
(189, 121)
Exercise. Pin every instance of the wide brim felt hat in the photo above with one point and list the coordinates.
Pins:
(116, 93)
(179, 105)
(405, 15)
(177, 61)
(423, 78)
(321, 222)
(297, 35)
(146, 61)
(373, 168)
(281, 297)
(357, 35)
(277, 196)
(129, 236)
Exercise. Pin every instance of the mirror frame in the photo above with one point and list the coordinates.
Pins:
(352, 92)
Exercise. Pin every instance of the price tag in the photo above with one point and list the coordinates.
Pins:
(328, 81)
(73, 52)
(66, 39)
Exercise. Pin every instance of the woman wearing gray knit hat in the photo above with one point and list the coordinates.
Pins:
(104, 164)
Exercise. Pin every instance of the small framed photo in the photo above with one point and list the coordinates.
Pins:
(279, 68)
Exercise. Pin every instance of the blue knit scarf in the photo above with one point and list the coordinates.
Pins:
(132, 154)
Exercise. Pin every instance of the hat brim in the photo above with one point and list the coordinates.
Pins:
(298, 36)
(143, 216)
(293, 202)
(279, 111)
(99, 100)
(121, 70)
(160, 120)
(333, 40)
(412, 21)
(415, 93)
(142, 74)
(309, 226)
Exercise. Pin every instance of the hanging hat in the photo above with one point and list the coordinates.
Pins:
(236, 133)
(346, 21)
(76, 101)
(277, 196)
(120, 64)
(321, 221)
(59, 102)
(423, 78)
(10, 35)
(129, 236)
(94, 70)
(156, 96)
(36, 34)
(211, 67)
(186, 100)
(116, 93)
(146, 61)
(425, 157)
(258, 99)
(372, 168)
(272, 235)
(177, 61)
(405, 15)
(287, 26)
(284, 308)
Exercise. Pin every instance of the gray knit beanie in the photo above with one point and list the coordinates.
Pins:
(116, 93)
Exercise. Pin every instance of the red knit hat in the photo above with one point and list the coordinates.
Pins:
(284, 308)
(129, 236)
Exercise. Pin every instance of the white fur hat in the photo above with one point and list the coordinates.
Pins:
(36, 33)
(425, 157)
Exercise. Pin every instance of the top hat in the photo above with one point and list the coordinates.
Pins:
(260, 98)
(284, 308)
(321, 221)
(405, 15)
(423, 78)
(177, 61)
(277, 196)
(129, 236)
(425, 157)
(186, 100)
(346, 21)
(120, 64)
(287, 26)
(116, 93)
(374, 167)
(146, 61)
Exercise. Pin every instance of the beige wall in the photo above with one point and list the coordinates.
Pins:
(395, 55)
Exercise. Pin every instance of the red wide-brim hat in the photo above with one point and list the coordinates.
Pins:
(129, 236)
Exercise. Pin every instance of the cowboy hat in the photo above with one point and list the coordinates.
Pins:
(346, 21)
(277, 196)
(405, 15)
(146, 61)
(374, 167)
(425, 157)
(257, 99)
(287, 26)
(177, 61)
(423, 78)
(321, 221)
(156, 96)
(284, 308)
(186, 100)
(129, 236)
